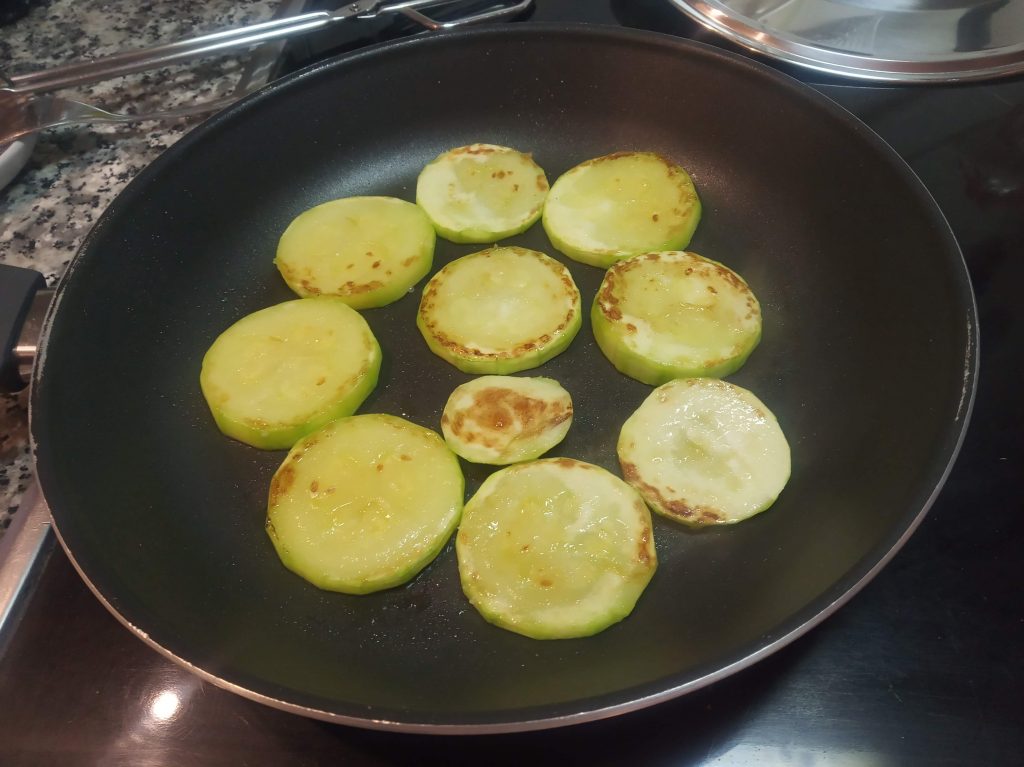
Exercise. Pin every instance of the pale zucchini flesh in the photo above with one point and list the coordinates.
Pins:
(500, 420)
(370, 251)
(365, 503)
(555, 549)
(284, 371)
(619, 205)
(500, 311)
(481, 193)
(660, 316)
(704, 452)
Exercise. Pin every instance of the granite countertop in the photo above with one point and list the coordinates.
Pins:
(75, 172)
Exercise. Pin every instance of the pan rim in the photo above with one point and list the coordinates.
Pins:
(504, 721)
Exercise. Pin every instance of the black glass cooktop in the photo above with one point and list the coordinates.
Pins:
(923, 667)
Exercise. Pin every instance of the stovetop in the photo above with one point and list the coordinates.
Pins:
(923, 667)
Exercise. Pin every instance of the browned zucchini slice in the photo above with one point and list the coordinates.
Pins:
(499, 311)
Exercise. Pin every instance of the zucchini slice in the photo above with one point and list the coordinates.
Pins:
(675, 314)
(368, 250)
(619, 205)
(482, 193)
(704, 452)
(554, 549)
(500, 310)
(506, 419)
(365, 503)
(282, 372)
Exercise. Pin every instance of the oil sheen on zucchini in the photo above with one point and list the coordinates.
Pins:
(482, 193)
(674, 314)
(704, 452)
(282, 372)
(368, 250)
(365, 503)
(619, 205)
(506, 419)
(554, 549)
(500, 310)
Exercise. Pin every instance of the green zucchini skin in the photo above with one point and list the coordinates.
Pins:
(555, 549)
(365, 503)
(500, 311)
(620, 205)
(482, 193)
(369, 251)
(499, 420)
(656, 351)
(702, 451)
(275, 340)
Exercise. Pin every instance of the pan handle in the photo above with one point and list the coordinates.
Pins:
(24, 299)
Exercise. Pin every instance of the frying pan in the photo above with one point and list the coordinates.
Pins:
(868, 360)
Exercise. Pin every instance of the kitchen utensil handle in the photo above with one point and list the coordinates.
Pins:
(499, 12)
(23, 302)
(127, 62)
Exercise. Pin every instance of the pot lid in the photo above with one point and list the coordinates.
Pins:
(891, 40)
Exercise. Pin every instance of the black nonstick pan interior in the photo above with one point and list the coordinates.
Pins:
(867, 359)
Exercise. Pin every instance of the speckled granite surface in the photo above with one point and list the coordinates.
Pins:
(75, 172)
